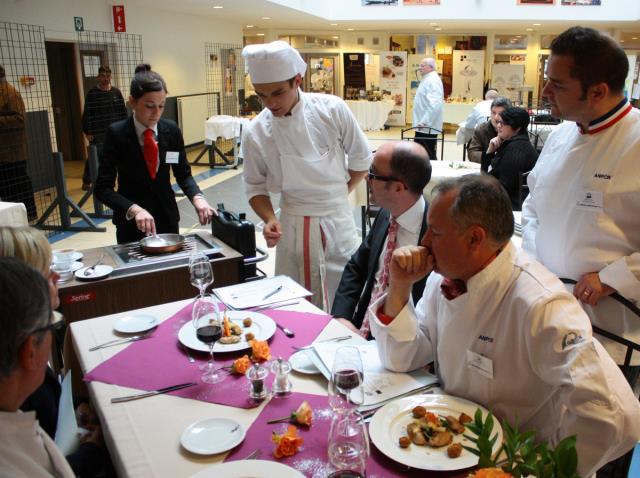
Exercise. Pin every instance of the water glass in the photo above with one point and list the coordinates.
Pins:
(200, 271)
(62, 263)
(348, 445)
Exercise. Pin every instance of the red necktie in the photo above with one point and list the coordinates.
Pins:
(452, 288)
(150, 153)
(381, 286)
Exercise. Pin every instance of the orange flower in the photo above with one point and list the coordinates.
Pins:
(260, 351)
(241, 365)
(287, 443)
(490, 473)
(303, 415)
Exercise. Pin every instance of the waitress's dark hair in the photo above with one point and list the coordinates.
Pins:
(145, 81)
(516, 118)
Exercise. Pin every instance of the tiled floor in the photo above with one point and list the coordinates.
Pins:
(219, 185)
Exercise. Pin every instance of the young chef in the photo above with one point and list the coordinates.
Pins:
(298, 147)
(139, 151)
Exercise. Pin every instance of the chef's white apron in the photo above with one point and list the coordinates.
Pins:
(317, 239)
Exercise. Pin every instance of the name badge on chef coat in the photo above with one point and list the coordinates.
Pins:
(480, 364)
(590, 200)
(172, 157)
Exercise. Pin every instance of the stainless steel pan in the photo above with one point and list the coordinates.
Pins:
(161, 243)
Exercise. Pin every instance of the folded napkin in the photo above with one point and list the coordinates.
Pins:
(160, 361)
(312, 459)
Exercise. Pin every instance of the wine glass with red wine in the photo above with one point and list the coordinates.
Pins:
(346, 390)
(206, 321)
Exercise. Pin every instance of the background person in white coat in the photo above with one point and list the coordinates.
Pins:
(479, 114)
(428, 106)
(309, 148)
(502, 330)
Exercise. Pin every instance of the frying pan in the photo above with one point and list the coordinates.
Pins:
(161, 243)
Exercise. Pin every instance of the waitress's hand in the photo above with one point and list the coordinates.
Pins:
(144, 221)
(205, 212)
(272, 232)
(494, 144)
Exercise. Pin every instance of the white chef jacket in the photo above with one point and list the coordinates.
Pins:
(548, 373)
(27, 451)
(428, 104)
(582, 214)
(479, 114)
(333, 131)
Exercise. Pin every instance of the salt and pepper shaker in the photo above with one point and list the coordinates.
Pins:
(256, 376)
(281, 369)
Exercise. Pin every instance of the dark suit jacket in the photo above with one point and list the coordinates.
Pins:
(354, 292)
(123, 158)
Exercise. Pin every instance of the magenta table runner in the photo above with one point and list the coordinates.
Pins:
(160, 361)
(312, 459)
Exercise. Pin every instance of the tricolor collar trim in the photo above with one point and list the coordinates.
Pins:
(609, 119)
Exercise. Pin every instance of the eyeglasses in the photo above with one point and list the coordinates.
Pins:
(379, 177)
(49, 327)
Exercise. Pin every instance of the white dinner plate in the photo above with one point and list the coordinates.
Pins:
(212, 435)
(390, 423)
(262, 327)
(130, 324)
(77, 255)
(76, 265)
(249, 468)
(300, 362)
(100, 272)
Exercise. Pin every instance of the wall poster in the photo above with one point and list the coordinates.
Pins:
(393, 83)
(468, 74)
(507, 79)
(580, 2)
(421, 2)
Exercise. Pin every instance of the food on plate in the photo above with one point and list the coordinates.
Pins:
(439, 439)
(247, 322)
(419, 411)
(404, 442)
(454, 450)
(231, 332)
(232, 339)
(249, 336)
(454, 425)
(464, 418)
(414, 430)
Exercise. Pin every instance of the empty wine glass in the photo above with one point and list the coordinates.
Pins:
(346, 389)
(200, 271)
(206, 322)
(348, 445)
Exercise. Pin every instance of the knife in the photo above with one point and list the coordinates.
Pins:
(152, 393)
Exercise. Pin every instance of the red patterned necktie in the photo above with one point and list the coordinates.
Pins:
(381, 286)
(452, 288)
(150, 153)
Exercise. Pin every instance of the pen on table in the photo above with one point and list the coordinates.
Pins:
(273, 292)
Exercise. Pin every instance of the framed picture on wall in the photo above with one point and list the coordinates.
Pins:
(536, 2)
(368, 3)
(421, 2)
(581, 2)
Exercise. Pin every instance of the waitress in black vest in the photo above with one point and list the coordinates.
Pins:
(139, 151)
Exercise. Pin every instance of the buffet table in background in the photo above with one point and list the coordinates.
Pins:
(456, 113)
(370, 115)
(225, 127)
(13, 214)
(448, 169)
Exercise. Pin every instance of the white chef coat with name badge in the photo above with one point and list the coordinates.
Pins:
(583, 215)
(428, 104)
(548, 373)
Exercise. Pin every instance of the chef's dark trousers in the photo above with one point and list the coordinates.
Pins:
(128, 232)
(429, 142)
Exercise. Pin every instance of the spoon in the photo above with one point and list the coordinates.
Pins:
(89, 270)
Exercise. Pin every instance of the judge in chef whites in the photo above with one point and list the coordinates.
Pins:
(298, 146)
(139, 151)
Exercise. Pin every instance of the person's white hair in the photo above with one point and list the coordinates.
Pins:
(431, 62)
(491, 94)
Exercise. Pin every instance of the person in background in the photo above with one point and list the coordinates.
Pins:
(487, 130)
(15, 183)
(581, 218)
(25, 318)
(398, 175)
(479, 114)
(104, 105)
(528, 353)
(90, 459)
(139, 151)
(510, 153)
(298, 147)
(428, 106)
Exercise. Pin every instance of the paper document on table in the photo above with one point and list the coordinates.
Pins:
(380, 384)
(272, 290)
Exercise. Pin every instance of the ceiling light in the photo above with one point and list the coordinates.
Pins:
(634, 38)
(218, 6)
(438, 29)
(259, 34)
(350, 29)
(621, 41)
(266, 18)
(536, 24)
(433, 24)
(529, 29)
(335, 37)
(333, 24)
(249, 26)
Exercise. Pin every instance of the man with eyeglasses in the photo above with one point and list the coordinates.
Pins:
(309, 148)
(25, 343)
(399, 173)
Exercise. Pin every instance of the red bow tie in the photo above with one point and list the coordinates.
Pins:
(452, 288)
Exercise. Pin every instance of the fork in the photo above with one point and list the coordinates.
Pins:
(121, 341)
(253, 455)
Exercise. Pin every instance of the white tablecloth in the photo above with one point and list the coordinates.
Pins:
(448, 169)
(143, 436)
(370, 115)
(224, 126)
(13, 214)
